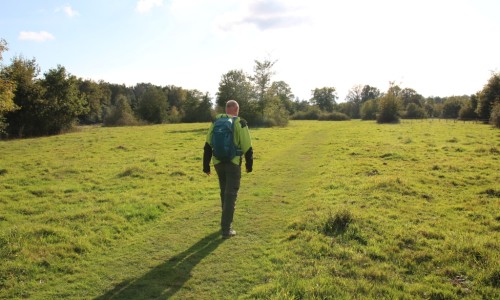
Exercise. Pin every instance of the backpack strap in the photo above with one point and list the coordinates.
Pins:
(239, 152)
(234, 122)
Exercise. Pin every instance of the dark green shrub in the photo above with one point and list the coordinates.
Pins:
(312, 113)
(275, 114)
(120, 114)
(369, 110)
(413, 111)
(495, 115)
(467, 112)
(333, 116)
(388, 109)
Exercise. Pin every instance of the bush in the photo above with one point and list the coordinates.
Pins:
(452, 107)
(120, 114)
(388, 109)
(333, 116)
(312, 113)
(369, 110)
(413, 111)
(467, 112)
(275, 114)
(495, 115)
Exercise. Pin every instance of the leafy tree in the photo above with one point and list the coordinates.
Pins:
(348, 108)
(6, 93)
(176, 97)
(325, 98)
(118, 90)
(468, 111)
(235, 85)
(369, 92)
(495, 115)
(474, 101)
(275, 113)
(6, 102)
(452, 106)
(355, 98)
(433, 106)
(414, 111)
(355, 94)
(389, 106)
(369, 110)
(27, 120)
(408, 96)
(97, 98)
(120, 114)
(283, 91)
(257, 95)
(62, 100)
(197, 107)
(358, 95)
(140, 88)
(153, 105)
(3, 47)
(394, 89)
(301, 105)
(262, 80)
(205, 112)
(174, 115)
(489, 96)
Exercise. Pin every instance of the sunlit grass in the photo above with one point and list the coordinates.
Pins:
(332, 210)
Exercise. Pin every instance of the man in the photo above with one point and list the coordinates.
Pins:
(229, 173)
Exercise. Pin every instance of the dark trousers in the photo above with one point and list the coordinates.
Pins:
(229, 182)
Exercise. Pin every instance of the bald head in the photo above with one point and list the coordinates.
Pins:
(232, 108)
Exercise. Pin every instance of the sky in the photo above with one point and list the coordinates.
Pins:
(436, 47)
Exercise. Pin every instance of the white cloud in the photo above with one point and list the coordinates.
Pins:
(41, 36)
(69, 11)
(265, 14)
(144, 6)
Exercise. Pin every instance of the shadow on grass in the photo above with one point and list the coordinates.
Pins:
(163, 281)
(201, 131)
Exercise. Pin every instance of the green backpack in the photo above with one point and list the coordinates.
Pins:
(223, 145)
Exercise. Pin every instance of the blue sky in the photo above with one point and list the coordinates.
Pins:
(437, 47)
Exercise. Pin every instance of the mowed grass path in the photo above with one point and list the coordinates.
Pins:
(126, 213)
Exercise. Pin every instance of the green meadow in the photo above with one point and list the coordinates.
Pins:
(333, 210)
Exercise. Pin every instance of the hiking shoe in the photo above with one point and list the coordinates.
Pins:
(229, 234)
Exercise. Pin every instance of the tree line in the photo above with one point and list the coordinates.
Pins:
(369, 103)
(34, 105)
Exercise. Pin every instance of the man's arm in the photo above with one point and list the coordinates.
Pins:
(246, 145)
(207, 157)
(207, 151)
(249, 160)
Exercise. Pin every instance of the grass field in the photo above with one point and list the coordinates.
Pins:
(333, 210)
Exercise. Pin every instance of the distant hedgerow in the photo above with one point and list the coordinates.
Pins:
(311, 114)
(333, 116)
